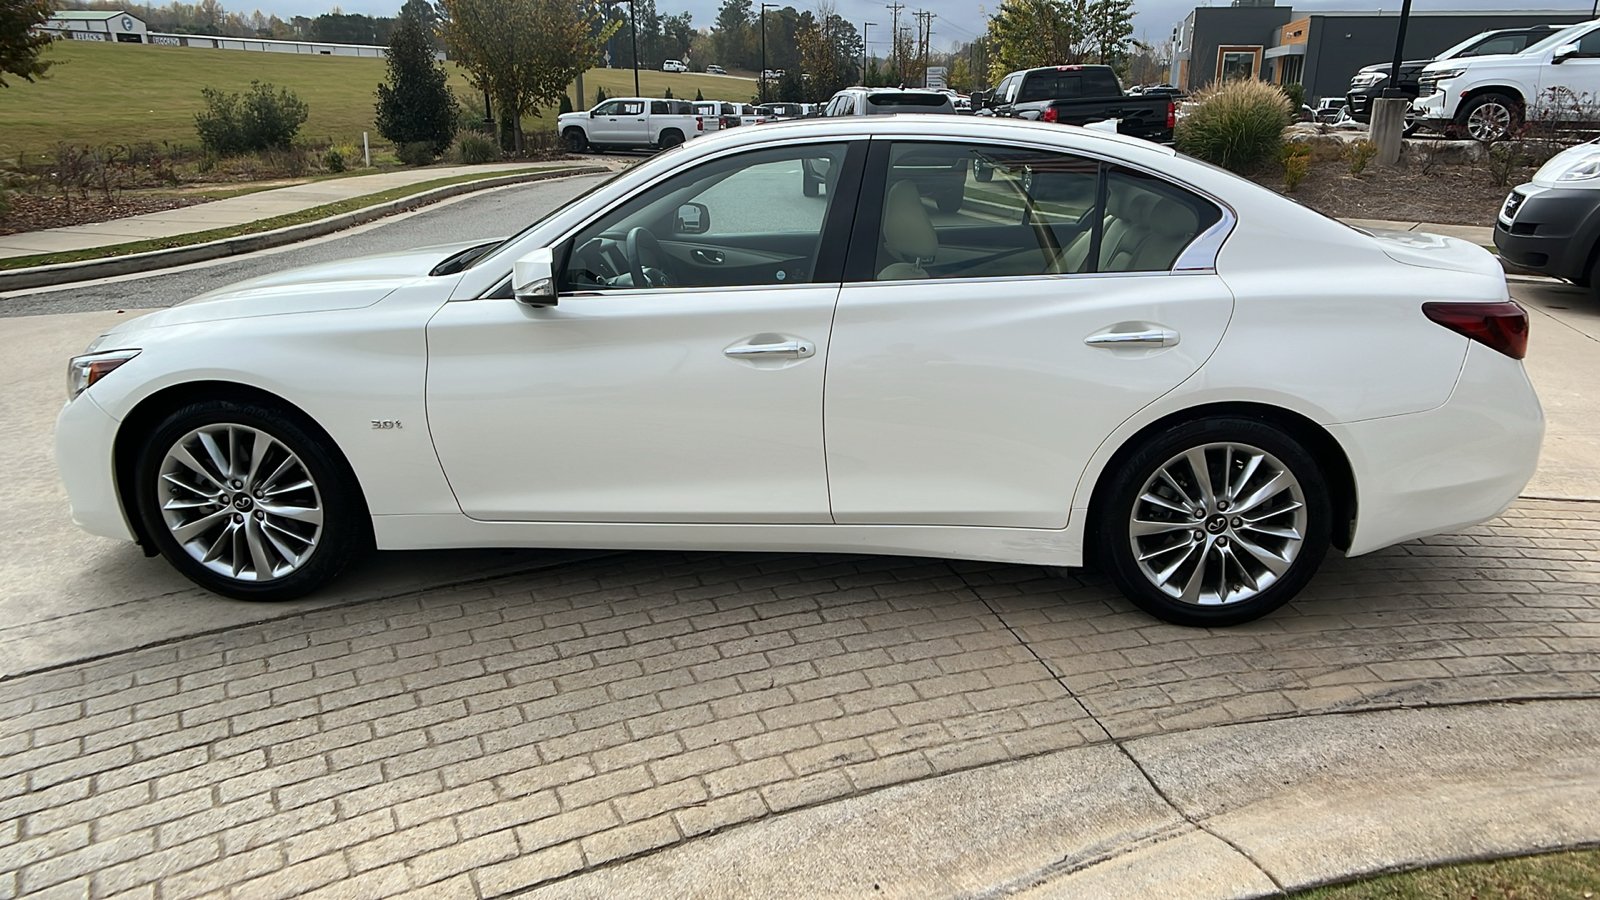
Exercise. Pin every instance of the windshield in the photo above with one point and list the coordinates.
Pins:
(550, 215)
(1564, 36)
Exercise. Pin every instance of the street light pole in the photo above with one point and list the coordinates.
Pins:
(865, 44)
(764, 49)
(633, 25)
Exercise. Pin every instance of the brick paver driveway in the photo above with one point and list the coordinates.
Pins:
(480, 740)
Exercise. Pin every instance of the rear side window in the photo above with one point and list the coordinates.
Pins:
(1148, 221)
(658, 107)
(896, 102)
(1069, 85)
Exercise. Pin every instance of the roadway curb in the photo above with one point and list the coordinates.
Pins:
(65, 273)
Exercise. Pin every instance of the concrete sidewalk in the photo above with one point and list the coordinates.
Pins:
(234, 210)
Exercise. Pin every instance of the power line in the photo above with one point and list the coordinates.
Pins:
(894, 33)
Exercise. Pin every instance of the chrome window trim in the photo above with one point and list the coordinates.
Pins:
(1014, 279)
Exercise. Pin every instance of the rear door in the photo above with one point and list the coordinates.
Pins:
(979, 357)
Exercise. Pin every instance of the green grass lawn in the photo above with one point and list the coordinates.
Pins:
(124, 93)
(1573, 875)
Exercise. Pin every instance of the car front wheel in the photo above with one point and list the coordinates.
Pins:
(1490, 117)
(1214, 522)
(247, 500)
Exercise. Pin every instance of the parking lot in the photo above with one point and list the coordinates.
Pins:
(472, 724)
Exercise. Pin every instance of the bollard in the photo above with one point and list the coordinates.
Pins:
(1388, 128)
(366, 152)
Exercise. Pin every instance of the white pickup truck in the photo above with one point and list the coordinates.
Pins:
(631, 122)
(1556, 81)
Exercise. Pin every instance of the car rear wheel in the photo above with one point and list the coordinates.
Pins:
(1214, 522)
(670, 139)
(247, 500)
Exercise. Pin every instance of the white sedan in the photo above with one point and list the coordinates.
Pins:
(1103, 351)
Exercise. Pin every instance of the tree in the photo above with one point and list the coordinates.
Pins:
(20, 46)
(416, 106)
(1108, 26)
(524, 53)
(677, 35)
(829, 50)
(1024, 34)
(733, 40)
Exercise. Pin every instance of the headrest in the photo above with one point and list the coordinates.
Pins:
(1140, 207)
(1173, 219)
(907, 231)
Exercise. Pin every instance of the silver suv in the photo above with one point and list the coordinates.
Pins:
(864, 101)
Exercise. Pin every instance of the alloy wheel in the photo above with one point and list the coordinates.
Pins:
(239, 502)
(1218, 524)
(1489, 121)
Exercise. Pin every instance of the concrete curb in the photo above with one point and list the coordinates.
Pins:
(65, 273)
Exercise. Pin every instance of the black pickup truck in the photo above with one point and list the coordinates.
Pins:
(1080, 95)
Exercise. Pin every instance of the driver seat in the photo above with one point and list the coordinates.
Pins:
(908, 234)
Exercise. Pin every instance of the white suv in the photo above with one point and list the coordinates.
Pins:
(1489, 98)
(864, 101)
(673, 65)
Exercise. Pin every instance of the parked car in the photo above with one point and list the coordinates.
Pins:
(782, 111)
(715, 115)
(865, 101)
(716, 70)
(655, 365)
(673, 65)
(1081, 95)
(1551, 225)
(1488, 98)
(1370, 82)
(630, 122)
(1331, 109)
(742, 114)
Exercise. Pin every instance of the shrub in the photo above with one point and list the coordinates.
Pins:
(475, 149)
(1359, 154)
(1296, 94)
(333, 160)
(1296, 165)
(1237, 125)
(1505, 160)
(566, 105)
(599, 96)
(416, 153)
(257, 120)
(698, 96)
(668, 94)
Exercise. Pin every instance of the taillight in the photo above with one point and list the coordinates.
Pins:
(1172, 114)
(699, 124)
(1499, 326)
(1049, 114)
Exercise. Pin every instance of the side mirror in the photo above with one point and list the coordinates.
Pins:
(1564, 53)
(533, 279)
(594, 112)
(692, 218)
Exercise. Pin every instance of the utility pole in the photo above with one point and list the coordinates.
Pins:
(633, 25)
(894, 34)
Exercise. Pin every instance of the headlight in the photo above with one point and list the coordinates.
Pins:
(1583, 171)
(1438, 75)
(1367, 79)
(83, 371)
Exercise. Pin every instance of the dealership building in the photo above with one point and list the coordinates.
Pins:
(125, 28)
(1322, 49)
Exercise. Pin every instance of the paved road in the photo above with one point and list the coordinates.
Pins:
(491, 214)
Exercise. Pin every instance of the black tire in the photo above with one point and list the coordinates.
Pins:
(575, 140)
(344, 525)
(1224, 535)
(671, 138)
(1480, 107)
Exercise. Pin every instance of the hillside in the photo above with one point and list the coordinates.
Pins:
(122, 93)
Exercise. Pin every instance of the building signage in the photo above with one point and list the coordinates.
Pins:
(165, 40)
(87, 36)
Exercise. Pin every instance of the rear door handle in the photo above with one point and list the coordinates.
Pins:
(1155, 337)
(785, 350)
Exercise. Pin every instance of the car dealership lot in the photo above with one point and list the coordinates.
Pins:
(406, 731)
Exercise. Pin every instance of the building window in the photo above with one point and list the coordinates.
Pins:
(1291, 69)
(1238, 64)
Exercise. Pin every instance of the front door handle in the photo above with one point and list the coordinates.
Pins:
(1154, 337)
(785, 350)
(710, 257)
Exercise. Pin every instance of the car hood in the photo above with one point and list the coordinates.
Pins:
(1435, 251)
(1410, 64)
(346, 284)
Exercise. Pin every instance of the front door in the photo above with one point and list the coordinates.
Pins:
(990, 335)
(679, 378)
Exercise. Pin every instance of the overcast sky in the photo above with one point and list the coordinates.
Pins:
(958, 20)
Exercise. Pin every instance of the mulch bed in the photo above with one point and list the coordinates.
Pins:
(1450, 194)
(30, 212)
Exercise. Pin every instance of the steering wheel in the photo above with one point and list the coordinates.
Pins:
(644, 251)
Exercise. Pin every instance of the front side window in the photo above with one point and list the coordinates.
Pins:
(1589, 44)
(953, 210)
(609, 108)
(752, 219)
